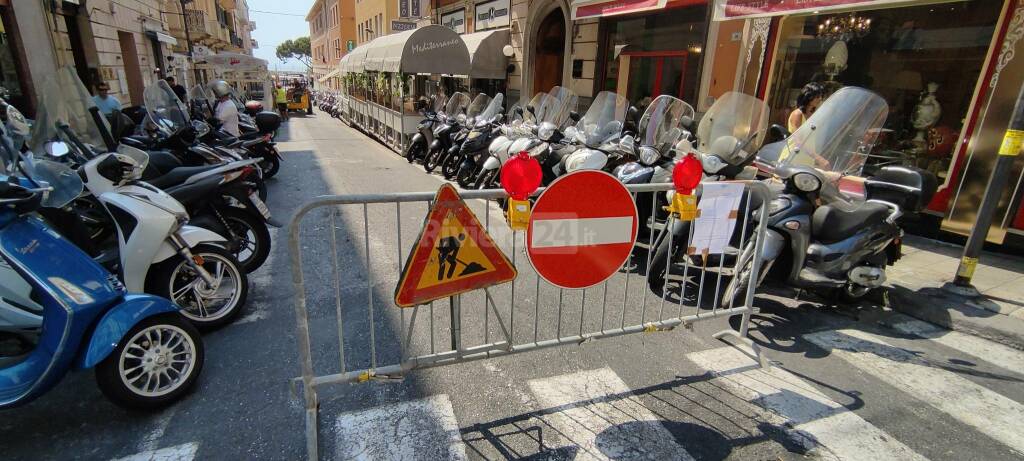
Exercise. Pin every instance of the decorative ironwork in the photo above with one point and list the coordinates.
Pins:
(1014, 31)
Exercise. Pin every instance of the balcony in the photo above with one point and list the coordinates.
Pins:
(195, 20)
(254, 43)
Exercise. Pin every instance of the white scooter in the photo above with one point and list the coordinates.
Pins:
(158, 252)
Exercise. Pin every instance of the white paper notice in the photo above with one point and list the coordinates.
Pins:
(719, 205)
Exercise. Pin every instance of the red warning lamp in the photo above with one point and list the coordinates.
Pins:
(687, 174)
(521, 176)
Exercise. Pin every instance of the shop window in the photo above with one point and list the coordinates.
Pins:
(922, 62)
(652, 54)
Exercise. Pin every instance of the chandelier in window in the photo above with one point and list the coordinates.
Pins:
(844, 27)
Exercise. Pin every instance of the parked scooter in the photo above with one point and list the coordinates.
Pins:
(452, 159)
(664, 123)
(146, 355)
(727, 139)
(474, 148)
(157, 252)
(598, 133)
(445, 132)
(821, 238)
(432, 112)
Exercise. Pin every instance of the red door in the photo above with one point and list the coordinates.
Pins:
(654, 73)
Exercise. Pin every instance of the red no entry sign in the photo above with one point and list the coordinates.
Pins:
(582, 229)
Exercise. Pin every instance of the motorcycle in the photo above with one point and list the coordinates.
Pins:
(74, 315)
(431, 110)
(157, 252)
(819, 237)
(598, 134)
(727, 140)
(452, 159)
(664, 123)
(475, 146)
(445, 131)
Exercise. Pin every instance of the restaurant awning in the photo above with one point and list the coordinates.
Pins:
(233, 62)
(333, 73)
(162, 37)
(485, 53)
(583, 9)
(742, 9)
(354, 59)
(430, 49)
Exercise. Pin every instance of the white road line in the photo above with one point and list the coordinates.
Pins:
(822, 426)
(152, 439)
(596, 412)
(417, 429)
(987, 411)
(183, 452)
(989, 351)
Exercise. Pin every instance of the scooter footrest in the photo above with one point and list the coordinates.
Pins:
(810, 276)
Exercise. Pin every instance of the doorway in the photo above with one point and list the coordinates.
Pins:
(549, 52)
(653, 73)
(132, 70)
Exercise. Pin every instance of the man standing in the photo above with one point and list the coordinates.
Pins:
(225, 112)
(104, 101)
(281, 99)
(178, 89)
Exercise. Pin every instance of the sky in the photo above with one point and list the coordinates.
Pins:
(272, 29)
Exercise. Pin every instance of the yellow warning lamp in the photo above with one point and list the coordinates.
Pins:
(686, 175)
(520, 177)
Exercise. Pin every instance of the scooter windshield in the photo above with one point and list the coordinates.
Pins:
(66, 183)
(456, 104)
(734, 127)
(563, 102)
(437, 103)
(164, 109)
(838, 137)
(492, 111)
(603, 121)
(663, 123)
(65, 101)
(480, 102)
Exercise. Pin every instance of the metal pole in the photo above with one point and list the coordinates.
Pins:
(456, 318)
(1013, 141)
(188, 40)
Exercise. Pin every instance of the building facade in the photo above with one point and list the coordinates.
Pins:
(332, 34)
(212, 26)
(374, 18)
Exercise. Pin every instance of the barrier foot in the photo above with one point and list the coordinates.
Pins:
(312, 431)
(751, 348)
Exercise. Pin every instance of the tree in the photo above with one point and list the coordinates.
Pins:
(298, 49)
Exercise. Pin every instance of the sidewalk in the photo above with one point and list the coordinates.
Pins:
(915, 288)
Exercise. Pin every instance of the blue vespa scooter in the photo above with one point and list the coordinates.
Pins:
(146, 355)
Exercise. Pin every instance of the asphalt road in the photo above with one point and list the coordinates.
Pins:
(845, 382)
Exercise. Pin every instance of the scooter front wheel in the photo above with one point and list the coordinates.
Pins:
(154, 364)
(432, 160)
(206, 306)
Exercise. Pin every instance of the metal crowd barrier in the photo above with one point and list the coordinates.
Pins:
(362, 336)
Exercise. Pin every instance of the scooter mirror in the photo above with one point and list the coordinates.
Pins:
(687, 122)
(632, 113)
(575, 116)
(530, 109)
(57, 149)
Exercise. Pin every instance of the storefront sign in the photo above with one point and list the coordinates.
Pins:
(455, 20)
(415, 8)
(733, 9)
(400, 26)
(582, 9)
(350, 45)
(431, 46)
(403, 9)
(489, 15)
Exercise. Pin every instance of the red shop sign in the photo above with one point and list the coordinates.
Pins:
(735, 9)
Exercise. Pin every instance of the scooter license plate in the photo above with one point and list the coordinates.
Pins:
(255, 198)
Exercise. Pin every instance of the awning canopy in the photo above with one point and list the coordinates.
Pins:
(354, 59)
(485, 53)
(741, 9)
(233, 62)
(333, 73)
(430, 49)
(162, 37)
(583, 9)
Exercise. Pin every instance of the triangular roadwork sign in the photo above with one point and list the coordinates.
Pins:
(452, 255)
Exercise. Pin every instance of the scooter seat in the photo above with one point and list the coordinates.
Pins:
(179, 175)
(830, 225)
(189, 193)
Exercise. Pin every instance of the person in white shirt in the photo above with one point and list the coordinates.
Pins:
(225, 111)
